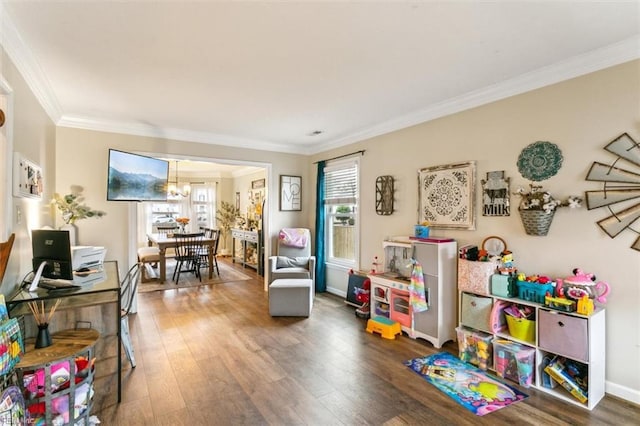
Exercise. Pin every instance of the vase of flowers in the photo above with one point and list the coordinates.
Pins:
(538, 207)
(72, 209)
(182, 223)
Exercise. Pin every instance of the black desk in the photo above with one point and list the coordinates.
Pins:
(96, 289)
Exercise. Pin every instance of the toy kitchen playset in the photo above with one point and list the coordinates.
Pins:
(390, 287)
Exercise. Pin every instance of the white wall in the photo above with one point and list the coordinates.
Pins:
(30, 132)
(581, 116)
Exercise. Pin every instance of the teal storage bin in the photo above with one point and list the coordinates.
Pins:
(534, 292)
(421, 231)
(503, 285)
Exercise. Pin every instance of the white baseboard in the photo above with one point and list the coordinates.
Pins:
(337, 292)
(622, 392)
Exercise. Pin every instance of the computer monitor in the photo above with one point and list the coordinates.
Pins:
(51, 255)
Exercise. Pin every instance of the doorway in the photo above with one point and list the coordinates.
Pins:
(211, 181)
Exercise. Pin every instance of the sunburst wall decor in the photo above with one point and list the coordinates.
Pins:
(620, 192)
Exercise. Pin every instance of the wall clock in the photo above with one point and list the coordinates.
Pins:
(620, 192)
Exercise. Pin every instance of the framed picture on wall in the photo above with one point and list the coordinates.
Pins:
(27, 178)
(290, 193)
(257, 184)
(446, 196)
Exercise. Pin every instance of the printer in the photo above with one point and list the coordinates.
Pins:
(87, 256)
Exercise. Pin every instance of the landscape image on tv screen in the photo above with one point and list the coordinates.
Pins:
(134, 177)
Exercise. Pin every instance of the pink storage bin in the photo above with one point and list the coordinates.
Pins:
(475, 277)
(563, 334)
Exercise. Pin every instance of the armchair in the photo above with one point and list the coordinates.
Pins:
(294, 259)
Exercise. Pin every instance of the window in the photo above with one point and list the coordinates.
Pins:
(341, 212)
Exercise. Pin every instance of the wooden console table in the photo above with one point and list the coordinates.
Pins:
(247, 239)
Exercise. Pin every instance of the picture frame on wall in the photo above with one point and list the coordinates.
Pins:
(28, 181)
(258, 184)
(446, 195)
(290, 193)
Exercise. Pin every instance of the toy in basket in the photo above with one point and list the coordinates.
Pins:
(11, 343)
(534, 288)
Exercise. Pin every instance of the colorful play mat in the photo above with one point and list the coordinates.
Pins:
(469, 386)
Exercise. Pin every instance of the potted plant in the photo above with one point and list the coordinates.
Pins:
(537, 208)
(72, 208)
(225, 218)
(343, 209)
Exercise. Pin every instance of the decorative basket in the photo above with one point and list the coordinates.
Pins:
(536, 222)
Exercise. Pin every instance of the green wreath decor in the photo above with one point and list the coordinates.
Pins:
(539, 161)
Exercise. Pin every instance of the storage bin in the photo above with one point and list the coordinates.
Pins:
(514, 361)
(475, 311)
(475, 277)
(503, 285)
(521, 328)
(563, 334)
(421, 231)
(475, 347)
(533, 292)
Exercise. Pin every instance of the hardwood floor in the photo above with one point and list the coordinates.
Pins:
(212, 355)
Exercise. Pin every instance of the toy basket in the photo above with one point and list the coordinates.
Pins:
(533, 292)
(11, 345)
(536, 222)
(522, 328)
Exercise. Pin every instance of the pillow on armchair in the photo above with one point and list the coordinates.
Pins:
(291, 262)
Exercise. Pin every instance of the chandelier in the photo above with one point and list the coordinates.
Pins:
(173, 190)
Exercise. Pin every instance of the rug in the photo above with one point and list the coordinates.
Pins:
(469, 386)
(227, 274)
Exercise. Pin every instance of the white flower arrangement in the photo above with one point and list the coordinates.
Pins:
(538, 199)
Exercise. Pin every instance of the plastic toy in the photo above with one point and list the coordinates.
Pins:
(385, 327)
(585, 305)
(581, 284)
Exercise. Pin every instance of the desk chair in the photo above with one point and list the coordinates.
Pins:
(128, 288)
(188, 247)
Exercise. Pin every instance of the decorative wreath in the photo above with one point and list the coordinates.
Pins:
(540, 161)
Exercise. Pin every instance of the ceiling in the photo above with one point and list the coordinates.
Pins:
(271, 75)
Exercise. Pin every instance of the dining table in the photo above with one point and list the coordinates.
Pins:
(164, 241)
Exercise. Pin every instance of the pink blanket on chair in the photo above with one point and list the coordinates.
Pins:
(294, 237)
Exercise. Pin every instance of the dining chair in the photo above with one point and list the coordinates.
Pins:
(128, 288)
(213, 234)
(187, 248)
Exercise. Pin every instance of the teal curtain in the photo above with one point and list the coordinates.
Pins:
(321, 284)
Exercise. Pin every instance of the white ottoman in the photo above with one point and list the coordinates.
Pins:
(291, 297)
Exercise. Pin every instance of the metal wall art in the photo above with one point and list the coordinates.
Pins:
(496, 195)
(539, 161)
(384, 195)
(619, 185)
(446, 196)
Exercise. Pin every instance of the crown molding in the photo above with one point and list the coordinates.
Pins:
(140, 129)
(28, 67)
(608, 56)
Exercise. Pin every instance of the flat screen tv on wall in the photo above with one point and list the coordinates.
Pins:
(134, 177)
